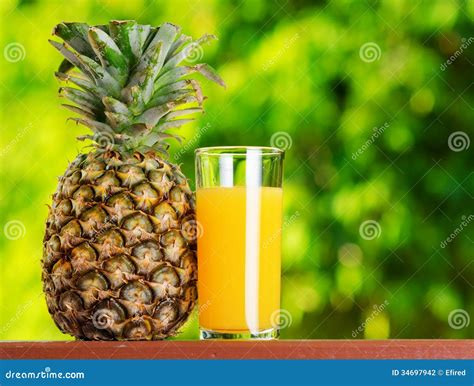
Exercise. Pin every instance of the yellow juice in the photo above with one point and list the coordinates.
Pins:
(239, 258)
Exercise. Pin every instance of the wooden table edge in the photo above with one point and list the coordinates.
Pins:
(281, 349)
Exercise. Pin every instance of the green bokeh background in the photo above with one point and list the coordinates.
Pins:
(294, 68)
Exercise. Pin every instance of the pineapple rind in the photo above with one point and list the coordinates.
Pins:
(119, 262)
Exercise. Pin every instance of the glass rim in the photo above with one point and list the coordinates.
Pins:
(237, 150)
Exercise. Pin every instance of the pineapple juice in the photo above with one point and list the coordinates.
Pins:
(239, 258)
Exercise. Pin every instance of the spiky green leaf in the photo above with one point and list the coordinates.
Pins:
(153, 58)
(207, 71)
(115, 106)
(103, 78)
(173, 124)
(170, 97)
(83, 83)
(151, 116)
(75, 34)
(132, 81)
(179, 113)
(117, 120)
(188, 52)
(125, 35)
(110, 56)
(84, 111)
(177, 44)
(74, 58)
(81, 98)
(95, 126)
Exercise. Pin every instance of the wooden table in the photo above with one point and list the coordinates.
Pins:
(282, 349)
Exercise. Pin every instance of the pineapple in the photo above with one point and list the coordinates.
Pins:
(119, 259)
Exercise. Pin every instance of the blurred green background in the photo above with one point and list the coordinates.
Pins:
(367, 251)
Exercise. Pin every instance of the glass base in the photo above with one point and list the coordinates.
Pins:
(270, 334)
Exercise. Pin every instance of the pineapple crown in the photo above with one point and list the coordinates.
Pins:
(131, 85)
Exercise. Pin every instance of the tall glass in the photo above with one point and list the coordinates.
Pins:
(239, 211)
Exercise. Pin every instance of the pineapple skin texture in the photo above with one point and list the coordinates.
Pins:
(119, 257)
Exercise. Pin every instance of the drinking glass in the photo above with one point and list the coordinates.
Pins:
(239, 210)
